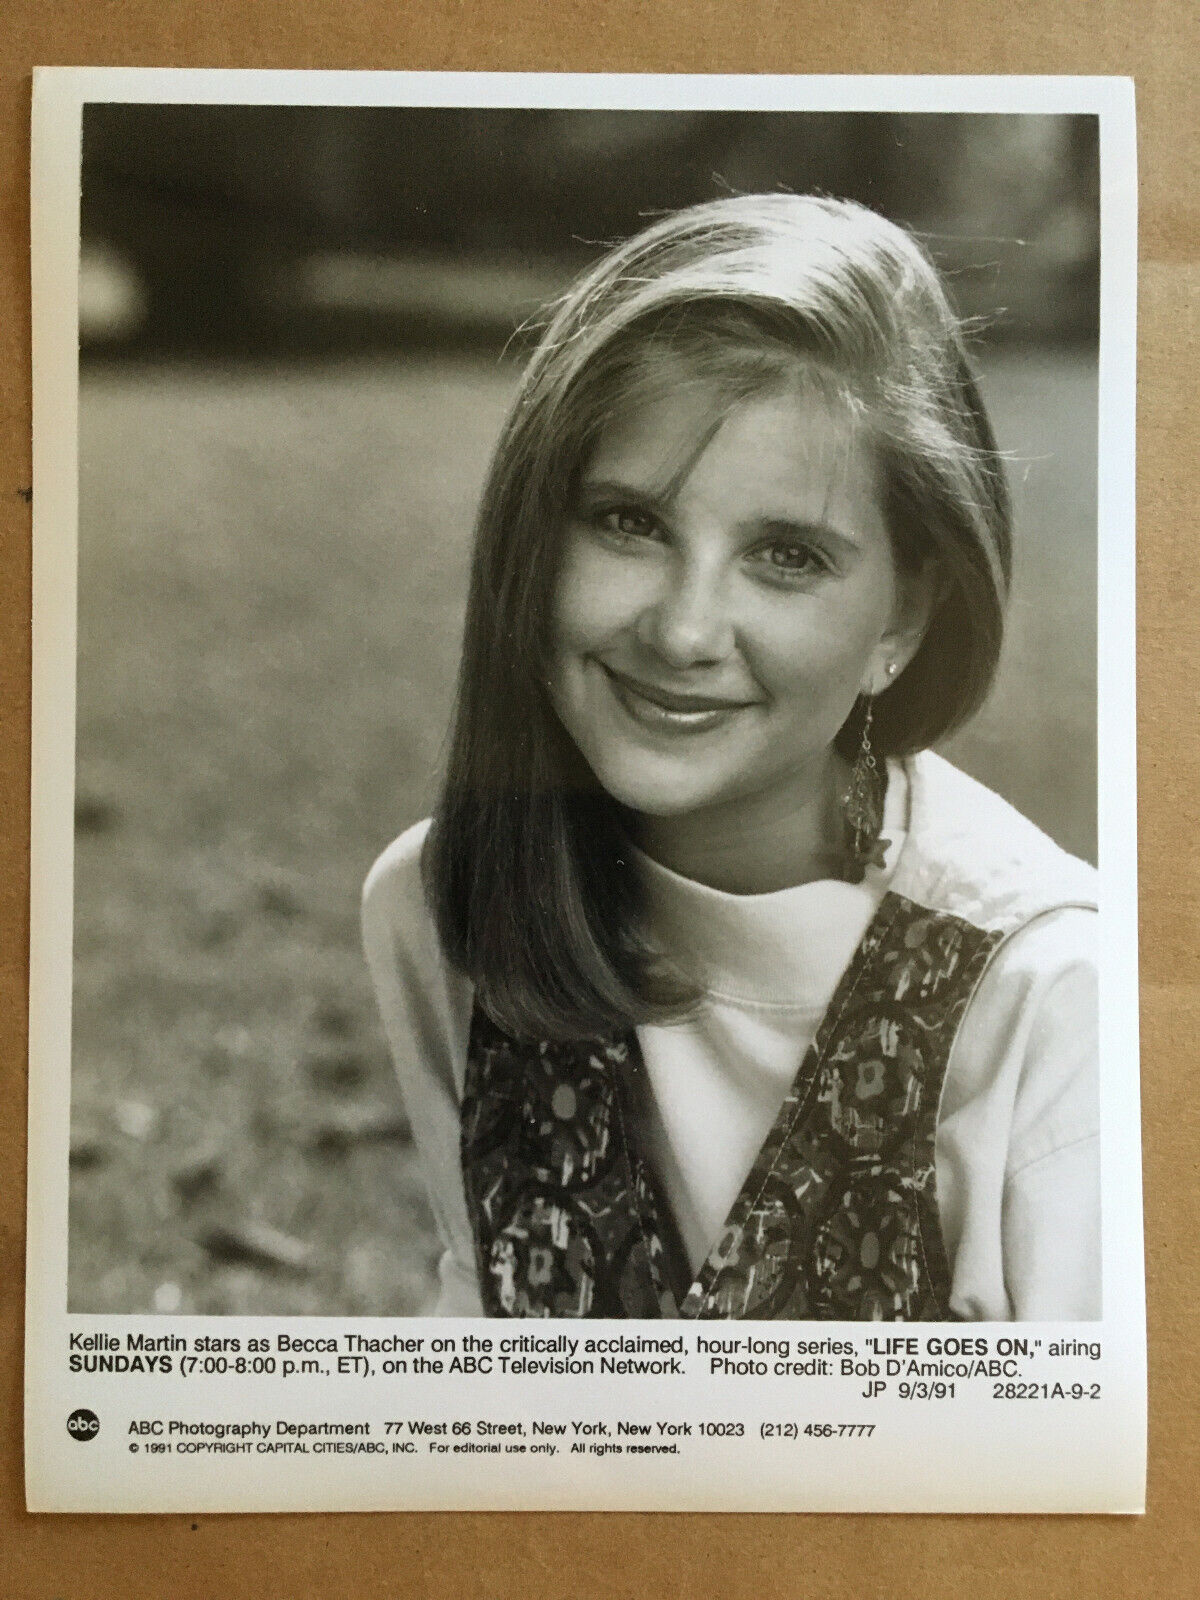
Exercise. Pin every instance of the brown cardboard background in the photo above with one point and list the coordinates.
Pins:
(495, 1556)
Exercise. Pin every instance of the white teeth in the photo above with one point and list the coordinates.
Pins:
(650, 714)
(686, 718)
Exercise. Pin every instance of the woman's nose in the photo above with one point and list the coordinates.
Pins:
(688, 623)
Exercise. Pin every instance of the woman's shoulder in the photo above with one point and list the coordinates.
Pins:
(395, 876)
(425, 1003)
(972, 852)
(395, 913)
(425, 1007)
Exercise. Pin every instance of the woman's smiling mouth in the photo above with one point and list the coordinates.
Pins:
(657, 708)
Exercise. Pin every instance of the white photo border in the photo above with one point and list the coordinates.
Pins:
(55, 1480)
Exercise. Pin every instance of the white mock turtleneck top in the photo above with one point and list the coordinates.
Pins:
(768, 964)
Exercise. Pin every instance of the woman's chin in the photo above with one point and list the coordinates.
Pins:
(657, 794)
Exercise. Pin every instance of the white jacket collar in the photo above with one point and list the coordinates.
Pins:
(971, 853)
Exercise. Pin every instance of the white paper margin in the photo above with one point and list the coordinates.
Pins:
(1016, 1457)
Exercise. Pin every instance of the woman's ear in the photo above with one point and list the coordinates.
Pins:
(919, 593)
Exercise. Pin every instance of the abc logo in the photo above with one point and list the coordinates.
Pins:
(83, 1424)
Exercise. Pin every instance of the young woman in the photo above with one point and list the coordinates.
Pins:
(712, 991)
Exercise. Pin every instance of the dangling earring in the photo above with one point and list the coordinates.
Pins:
(862, 804)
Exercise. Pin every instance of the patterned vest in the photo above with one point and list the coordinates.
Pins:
(838, 1216)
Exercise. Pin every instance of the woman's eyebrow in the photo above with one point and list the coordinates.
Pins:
(784, 528)
(600, 488)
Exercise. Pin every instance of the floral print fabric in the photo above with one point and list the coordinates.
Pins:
(837, 1218)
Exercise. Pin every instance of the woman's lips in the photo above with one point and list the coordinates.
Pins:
(658, 708)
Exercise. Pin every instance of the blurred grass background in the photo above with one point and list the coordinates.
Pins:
(273, 549)
(271, 590)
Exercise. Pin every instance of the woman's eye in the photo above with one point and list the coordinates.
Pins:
(788, 559)
(627, 522)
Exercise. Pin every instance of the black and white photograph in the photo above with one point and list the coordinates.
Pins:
(587, 750)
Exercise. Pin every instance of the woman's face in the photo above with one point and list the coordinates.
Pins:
(724, 597)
